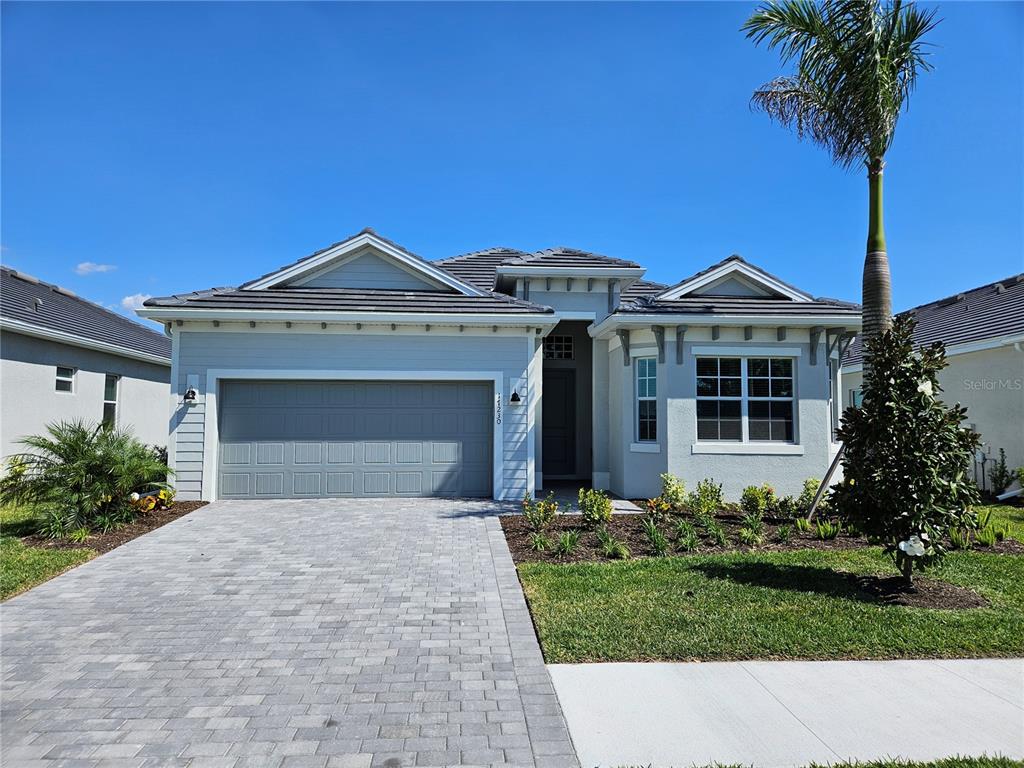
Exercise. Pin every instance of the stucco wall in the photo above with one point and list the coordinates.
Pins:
(373, 349)
(29, 400)
(990, 384)
(636, 474)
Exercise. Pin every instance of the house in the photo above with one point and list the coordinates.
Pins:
(365, 370)
(63, 358)
(983, 330)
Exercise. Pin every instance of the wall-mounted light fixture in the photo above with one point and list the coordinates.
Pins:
(189, 398)
(515, 397)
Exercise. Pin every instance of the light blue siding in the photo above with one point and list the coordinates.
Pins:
(369, 270)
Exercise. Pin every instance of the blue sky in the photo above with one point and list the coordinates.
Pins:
(191, 145)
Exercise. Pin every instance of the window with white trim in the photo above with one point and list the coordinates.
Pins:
(743, 399)
(65, 379)
(646, 399)
(111, 387)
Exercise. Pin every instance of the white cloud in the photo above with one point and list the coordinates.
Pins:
(89, 267)
(134, 302)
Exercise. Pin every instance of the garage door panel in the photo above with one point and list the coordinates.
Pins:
(306, 439)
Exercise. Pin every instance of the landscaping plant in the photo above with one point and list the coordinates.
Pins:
(539, 541)
(826, 530)
(706, 500)
(541, 513)
(750, 537)
(673, 491)
(595, 507)
(1000, 475)
(686, 537)
(657, 539)
(610, 546)
(78, 473)
(960, 538)
(783, 533)
(986, 536)
(856, 64)
(754, 501)
(658, 508)
(908, 457)
(567, 543)
(807, 494)
(803, 525)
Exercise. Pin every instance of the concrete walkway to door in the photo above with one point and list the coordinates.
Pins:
(775, 714)
(287, 633)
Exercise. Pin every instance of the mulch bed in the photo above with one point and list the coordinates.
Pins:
(104, 542)
(926, 593)
(628, 528)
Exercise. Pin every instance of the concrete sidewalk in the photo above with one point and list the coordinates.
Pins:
(791, 713)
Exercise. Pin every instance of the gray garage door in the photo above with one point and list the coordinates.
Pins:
(301, 439)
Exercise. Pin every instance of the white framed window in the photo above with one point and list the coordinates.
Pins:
(111, 389)
(856, 398)
(744, 400)
(559, 348)
(65, 381)
(646, 399)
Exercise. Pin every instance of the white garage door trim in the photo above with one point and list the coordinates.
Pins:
(211, 431)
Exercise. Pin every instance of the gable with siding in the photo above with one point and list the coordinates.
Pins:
(368, 268)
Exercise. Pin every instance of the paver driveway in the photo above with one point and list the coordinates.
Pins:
(329, 632)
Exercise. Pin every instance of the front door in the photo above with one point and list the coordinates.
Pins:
(559, 427)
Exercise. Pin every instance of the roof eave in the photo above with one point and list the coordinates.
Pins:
(49, 334)
(368, 317)
(614, 321)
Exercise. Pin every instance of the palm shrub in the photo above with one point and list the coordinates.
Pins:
(907, 466)
(79, 472)
(856, 63)
(595, 507)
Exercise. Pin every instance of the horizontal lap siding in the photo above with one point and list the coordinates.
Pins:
(201, 351)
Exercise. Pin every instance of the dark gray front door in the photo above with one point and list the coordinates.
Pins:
(559, 422)
(302, 439)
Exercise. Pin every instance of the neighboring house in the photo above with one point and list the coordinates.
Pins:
(65, 358)
(983, 330)
(364, 370)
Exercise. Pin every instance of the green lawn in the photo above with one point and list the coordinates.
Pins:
(791, 605)
(22, 567)
(1004, 514)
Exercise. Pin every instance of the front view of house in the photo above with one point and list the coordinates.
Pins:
(365, 370)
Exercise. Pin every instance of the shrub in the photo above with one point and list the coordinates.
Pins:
(686, 537)
(657, 539)
(79, 472)
(1002, 532)
(960, 538)
(673, 491)
(541, 513)
(783, 533)
(658, 508)
(754, 522)
(79, 535)
(753, 500)
(539, 541)
(986, 536)
(807, 494)
(788, 507)
(803, 525)
(908, 457)
(771, 501)
(1000, 475)
(567, 543)
(750, 537)
(595, 507)
(706, 499)
(826, 530)
(610, 546)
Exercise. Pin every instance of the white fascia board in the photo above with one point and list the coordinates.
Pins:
(378, 318)
(960, 349)
(755, 275)
(26, 329)
(606, 328)
(521, 270)
(316, 263)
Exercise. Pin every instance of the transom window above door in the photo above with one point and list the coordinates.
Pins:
(559, 348)
(745, 399)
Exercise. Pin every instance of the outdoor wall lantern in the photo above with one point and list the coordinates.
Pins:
(189, 398)
(515, 397)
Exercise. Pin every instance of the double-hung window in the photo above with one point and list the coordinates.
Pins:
(647, 399)
(111, 385)
(743, 399)
(65, 381)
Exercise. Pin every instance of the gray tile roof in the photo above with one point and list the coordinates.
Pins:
(642, 288)
(993, 310)
(737, 258)
(50, 307)
(480, 267)
(740, 305)
(350, 300)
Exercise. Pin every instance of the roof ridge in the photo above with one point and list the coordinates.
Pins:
(961, 295)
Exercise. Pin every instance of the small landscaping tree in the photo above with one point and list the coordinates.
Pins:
(907, 479)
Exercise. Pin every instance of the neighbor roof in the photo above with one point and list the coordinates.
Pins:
(349, 300)
(25, 299)
(991, 311)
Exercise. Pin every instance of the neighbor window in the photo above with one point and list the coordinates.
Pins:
(745, 399)
(65, 379)
(111, 385)
(647, 399)
(559, 348)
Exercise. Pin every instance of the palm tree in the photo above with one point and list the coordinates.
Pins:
(857, 62)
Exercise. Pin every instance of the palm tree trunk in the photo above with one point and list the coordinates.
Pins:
(877, 286)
